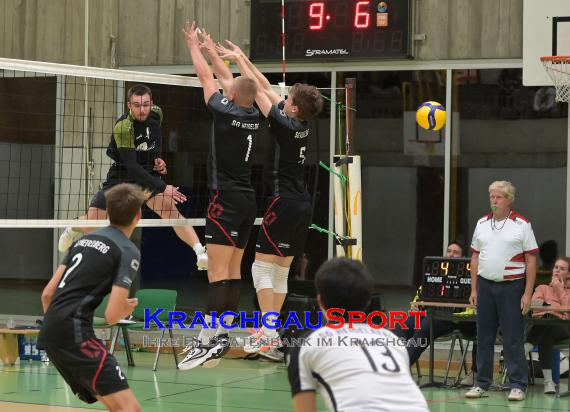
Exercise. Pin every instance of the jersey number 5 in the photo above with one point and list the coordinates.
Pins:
(302, 156)
(76, 261)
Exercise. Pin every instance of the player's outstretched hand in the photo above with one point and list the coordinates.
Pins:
(175, 194)
(226, 53)
(235, 48)
(189, 31)
(207, 43)
(159, 166)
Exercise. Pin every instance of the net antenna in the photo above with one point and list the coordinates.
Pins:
(558, 69)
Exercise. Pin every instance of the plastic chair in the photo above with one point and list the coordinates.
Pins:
(99, 314)
(151, 299)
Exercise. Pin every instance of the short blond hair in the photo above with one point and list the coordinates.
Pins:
(505, 187)
(245, 90)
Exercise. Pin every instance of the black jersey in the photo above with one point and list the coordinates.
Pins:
(94, 264)
(284, 172)
(232, 144)
(134, 146)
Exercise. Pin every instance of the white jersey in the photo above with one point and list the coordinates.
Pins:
(502, 246)
(358, 369)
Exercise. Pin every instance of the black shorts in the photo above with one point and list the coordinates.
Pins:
(98, 200)
(88, 369)
(230, 217)
(283, 231)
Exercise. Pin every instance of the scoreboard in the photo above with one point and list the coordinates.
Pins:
(446, 279)
(331, 29)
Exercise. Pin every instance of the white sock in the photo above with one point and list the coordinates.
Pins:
(228, 320)
(198, 248)
(547, 373)
(206, 334)
(269, 320)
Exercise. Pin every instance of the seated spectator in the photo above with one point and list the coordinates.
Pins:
(557, 293)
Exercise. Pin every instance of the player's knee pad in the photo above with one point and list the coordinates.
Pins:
(280, 275)
(261, 272)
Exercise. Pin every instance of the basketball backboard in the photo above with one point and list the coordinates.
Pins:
(546, 32)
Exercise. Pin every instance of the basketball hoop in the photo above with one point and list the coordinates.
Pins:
(558, 69)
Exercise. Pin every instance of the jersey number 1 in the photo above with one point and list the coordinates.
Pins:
(76, 261)
(249, 143)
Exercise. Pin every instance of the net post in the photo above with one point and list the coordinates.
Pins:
(350, 115)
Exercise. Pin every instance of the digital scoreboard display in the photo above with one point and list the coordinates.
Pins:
(446, 279)
(331, 30)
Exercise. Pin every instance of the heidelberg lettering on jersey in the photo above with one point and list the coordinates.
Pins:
(95, 244)
(245, 125)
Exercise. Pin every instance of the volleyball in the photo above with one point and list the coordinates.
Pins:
(431, 115)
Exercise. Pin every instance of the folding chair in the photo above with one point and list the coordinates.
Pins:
(151, 299)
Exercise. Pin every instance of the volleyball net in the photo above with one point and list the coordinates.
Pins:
(57, 122)
(55, 127)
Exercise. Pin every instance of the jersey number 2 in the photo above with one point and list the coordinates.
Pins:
(249, 143)
(76, 261)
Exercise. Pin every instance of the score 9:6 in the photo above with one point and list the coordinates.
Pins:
(317, 15)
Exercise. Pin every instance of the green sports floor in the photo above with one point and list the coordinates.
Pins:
(235, 385)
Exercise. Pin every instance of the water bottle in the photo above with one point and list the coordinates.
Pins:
(27, 347)
(11, 324)
(44, 357)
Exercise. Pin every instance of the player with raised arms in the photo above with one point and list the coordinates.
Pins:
(232, 208)
(283, 231)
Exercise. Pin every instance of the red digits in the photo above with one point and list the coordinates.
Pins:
(316, 12)
(361, 16)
